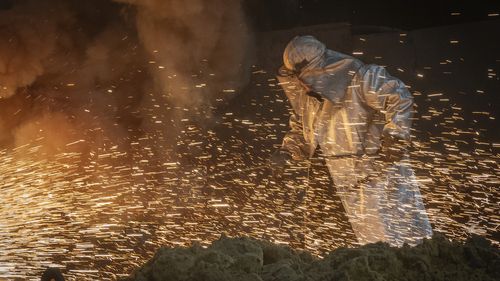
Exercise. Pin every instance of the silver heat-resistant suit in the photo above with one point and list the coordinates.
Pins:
(358, 107)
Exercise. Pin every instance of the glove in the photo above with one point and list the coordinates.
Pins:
(393, 149)
(278, 161)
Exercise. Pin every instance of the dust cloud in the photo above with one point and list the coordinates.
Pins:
(88, 76)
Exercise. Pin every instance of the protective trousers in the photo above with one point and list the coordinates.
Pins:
(382, 200)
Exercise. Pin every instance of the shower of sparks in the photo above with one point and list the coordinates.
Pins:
(98, 220)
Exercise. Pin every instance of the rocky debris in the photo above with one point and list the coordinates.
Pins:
(246, 259)
(52, 274)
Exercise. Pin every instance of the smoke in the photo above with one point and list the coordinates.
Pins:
(85, 76)
(29, 38)
(199, 47)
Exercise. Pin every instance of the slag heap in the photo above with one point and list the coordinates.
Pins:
(245, 259)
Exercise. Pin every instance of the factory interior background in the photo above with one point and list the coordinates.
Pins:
(132, 124)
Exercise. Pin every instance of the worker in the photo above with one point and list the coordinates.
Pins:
(360, 117)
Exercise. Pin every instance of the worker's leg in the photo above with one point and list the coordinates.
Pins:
(361, 201)
(403, 209)
(384, 206)
(361, 204)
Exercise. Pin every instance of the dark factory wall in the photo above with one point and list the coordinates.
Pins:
(406, 15)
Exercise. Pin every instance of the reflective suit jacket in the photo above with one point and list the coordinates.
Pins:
(363, 102)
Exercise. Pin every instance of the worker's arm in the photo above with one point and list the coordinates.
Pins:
(390, 96)
(294, 141)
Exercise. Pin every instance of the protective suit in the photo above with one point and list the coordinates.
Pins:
(348, 108)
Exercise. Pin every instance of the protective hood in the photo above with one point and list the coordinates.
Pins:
(303, 52)
(322, 71)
